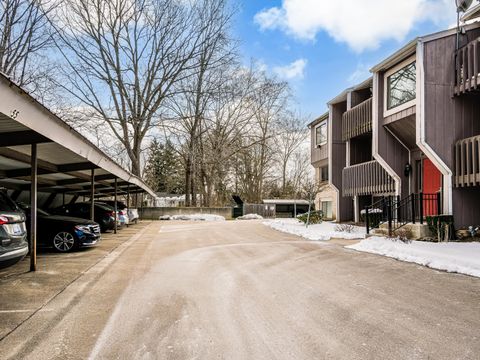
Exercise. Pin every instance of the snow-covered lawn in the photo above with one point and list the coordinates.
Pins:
(250, 217)
(324, 231)
(456, 257)
(195, 217)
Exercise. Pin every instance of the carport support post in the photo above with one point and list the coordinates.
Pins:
(33, 209)
(115, 207)
(92, 195)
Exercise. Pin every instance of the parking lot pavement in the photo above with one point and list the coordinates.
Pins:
(23, 293)
(241, 290)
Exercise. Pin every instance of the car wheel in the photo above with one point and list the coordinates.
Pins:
(64, 241)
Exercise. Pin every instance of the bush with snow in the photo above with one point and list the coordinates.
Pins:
(194, 217)
(451, 256)
(250, 217)
(324, 231)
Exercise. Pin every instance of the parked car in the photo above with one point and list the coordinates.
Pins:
(13, 232)
(63, 233)
(130, 215)
(121, 217)
(133, 215)
(103, 214)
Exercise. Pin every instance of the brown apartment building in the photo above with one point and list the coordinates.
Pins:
(411, 132)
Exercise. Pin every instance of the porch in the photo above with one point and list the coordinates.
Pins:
(467, 68)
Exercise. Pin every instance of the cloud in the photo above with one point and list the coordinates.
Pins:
(361, 24)
(295, 70)
(361, 73)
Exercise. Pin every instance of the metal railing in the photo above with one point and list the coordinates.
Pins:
(357, 121)
(467, 68)
(467, 162)
(400, 212)
(368, 178)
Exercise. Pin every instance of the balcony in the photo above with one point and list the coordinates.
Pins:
(467, 162)
(467, 68)
(357, 121)
(319, 153)
(368, 178)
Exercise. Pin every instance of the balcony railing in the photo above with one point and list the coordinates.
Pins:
(357, 121)
(319, 153)
(467, 162)
(467, 68)
(368, 178)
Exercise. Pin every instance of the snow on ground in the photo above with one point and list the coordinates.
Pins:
(250, 217)
(324, 231)
(456, 257)
(195, 217)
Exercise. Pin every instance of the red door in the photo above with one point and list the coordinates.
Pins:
(432, 183)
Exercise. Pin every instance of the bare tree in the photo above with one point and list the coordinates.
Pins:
(124, 58)
(292, 134)
(196, 93)
(24, 34)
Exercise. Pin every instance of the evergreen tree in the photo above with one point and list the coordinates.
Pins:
(164, 171)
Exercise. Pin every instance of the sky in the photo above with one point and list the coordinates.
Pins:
(322, 47)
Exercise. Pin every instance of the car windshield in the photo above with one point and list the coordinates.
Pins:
(6, 204)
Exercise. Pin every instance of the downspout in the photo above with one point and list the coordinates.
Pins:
(421, 142)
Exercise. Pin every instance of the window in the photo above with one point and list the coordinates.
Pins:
(327, 209)
(324, 174)
(401, 86)
(321, 134)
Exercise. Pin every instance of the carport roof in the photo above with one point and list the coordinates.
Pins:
(65, 157)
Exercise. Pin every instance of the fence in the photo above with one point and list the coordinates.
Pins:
(265, 210)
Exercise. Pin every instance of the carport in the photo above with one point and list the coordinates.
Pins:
(41, 155)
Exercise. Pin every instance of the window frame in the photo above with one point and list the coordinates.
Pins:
(318, 126)
(390, 72)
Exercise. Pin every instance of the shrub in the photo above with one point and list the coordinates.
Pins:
(316, 217)
(348, 228)
(403, 235)
(375, 217)
(441, 227)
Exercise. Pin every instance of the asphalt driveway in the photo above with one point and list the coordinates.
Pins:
(240, 290)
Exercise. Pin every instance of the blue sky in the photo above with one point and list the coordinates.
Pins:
(321, 50)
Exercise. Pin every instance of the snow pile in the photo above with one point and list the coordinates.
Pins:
(371, 211)
(250, 217)
(194, 217)
(324, 231)
(456, 257)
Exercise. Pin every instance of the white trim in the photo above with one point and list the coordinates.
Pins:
(409, 156)
(330, 169)
(391, 71)
(376, 155)
(421, 142)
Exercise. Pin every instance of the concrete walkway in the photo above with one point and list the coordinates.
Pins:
(239, 290)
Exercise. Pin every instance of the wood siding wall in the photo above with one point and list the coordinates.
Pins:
(389, 148)
(449, 119)
(338, 160)
(357, 121)
(368, 178)
(318, 155)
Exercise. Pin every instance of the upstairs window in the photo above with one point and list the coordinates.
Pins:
(321, 134)
(401, 86)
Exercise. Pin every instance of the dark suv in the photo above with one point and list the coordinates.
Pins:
(13, 233)
(103, 214)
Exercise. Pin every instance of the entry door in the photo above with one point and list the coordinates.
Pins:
(432, 184)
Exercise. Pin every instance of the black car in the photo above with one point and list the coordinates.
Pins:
(103, 215)
(63, 233)
(13, 232)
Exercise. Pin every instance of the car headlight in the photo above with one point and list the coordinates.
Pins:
(83, 228)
